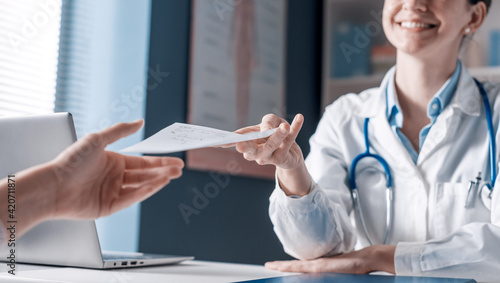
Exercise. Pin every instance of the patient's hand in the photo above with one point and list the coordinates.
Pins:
(93, 182)
(85, 181)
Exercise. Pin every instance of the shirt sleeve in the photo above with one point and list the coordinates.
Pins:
(3, 235)
(470, 252)
(317, 224)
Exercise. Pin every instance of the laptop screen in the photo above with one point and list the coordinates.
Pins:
(26, 141)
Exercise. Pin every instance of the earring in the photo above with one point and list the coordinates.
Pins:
(467, 30)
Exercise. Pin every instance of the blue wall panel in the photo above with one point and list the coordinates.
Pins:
(234, 224)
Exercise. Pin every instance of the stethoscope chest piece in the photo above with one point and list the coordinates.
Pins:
(485, 195)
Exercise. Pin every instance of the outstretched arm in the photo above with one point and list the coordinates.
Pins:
(86, 181)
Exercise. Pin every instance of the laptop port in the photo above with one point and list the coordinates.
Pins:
(133, 262)
(124, 263)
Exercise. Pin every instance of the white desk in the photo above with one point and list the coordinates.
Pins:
(186, 272)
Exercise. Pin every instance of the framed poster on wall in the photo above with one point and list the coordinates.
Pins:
(237, 68)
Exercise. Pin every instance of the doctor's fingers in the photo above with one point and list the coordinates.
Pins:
(279, 154)
(263, 153)
(271, 121)
(289, 131)
(332, 264)
(295, 128)
(246, 130)
(255, 128)
(292, 266)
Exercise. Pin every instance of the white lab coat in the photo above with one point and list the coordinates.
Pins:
(434, 233)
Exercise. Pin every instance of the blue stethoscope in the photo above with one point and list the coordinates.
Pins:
(389, 190)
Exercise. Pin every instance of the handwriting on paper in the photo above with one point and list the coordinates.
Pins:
(181, 137)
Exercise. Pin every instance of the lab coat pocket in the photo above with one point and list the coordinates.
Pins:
(448, 212)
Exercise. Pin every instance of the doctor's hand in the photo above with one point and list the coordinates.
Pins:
(280, 150)
(373, 258)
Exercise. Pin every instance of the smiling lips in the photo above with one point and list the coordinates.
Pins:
(415, 25)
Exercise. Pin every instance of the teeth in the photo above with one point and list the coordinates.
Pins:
(414, 25)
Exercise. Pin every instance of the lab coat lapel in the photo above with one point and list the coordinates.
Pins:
(467, 100)
(382, 139)
(446, 123)
(389, 146)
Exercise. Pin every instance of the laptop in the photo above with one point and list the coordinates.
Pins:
(26, 141)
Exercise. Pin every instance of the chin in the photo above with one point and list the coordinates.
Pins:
(412, 48)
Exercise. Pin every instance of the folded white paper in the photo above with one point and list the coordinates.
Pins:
(181, 137)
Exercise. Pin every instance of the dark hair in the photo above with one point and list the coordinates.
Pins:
(486, 2)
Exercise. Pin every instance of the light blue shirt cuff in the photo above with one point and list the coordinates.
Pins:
(407, 259)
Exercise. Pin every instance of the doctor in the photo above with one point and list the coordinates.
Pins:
(428, 122)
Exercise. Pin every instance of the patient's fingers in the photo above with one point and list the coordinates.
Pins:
(136, 177)
(120, 130)
(145, 162)
(129, 196)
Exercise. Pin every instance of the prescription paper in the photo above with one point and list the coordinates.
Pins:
(181, 137)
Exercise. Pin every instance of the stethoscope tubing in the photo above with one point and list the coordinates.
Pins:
(489, 121)
(355, 191)
(389, 190)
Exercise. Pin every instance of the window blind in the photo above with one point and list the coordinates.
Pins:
(75, 54)
(29, 44)
(73, 76)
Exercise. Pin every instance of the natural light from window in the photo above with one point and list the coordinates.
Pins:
(29, 46)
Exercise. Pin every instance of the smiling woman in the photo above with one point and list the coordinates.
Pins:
(428, 122)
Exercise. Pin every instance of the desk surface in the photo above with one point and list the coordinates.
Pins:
(186, 272)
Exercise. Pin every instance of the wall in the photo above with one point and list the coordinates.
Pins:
(234, 226)
(102, 70)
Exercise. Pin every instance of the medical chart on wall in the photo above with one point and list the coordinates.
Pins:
(236, 72)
